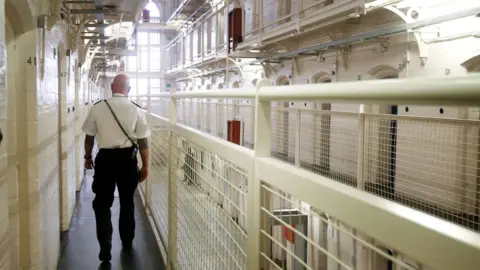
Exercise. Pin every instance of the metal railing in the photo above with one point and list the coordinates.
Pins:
(321, 189)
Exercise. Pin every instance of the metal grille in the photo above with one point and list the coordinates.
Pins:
(210, 203)
(425, 163)
(296, 236)
(328, 144)
(245, 113)
(212, 116)
(158, 180)
(283, 132)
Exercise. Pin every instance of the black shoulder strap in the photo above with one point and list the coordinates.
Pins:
(98, 102)
(118, 122)
(136, 104)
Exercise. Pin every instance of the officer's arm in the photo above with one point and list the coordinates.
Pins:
(142, 131)
(90, 129)
(89, 142)
(144, 151)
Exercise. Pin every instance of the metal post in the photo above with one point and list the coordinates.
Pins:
(149, 100)
(172, 192)
(297, 137)
(261, 149)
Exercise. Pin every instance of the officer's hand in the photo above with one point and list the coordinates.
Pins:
(88, 164)
(143, 174)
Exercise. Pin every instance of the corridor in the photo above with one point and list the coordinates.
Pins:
(286, 134)
(79, 243)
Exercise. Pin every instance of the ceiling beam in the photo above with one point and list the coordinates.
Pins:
(96, 25)
(95, 37)
(80, 2)
(90, 11)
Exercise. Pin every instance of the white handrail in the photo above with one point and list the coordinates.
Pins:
(397, 91)
(430, 240)
(228, 93)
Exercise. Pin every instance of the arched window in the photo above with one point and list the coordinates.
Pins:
(152, 7)
(472, 64)
(282, 80)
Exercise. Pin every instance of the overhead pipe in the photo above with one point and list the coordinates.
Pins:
(95, 37)
(90, 11)
(100, 18)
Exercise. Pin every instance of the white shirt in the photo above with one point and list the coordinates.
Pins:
(101, 123)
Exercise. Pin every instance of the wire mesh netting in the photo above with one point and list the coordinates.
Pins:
(296, 236)
(426, 163)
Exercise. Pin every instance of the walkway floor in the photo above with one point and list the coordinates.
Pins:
(80, 247)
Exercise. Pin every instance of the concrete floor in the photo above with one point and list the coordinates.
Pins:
(80, 246)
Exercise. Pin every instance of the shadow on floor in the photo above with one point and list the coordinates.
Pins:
(80, 248)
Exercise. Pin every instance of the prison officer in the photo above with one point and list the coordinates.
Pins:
(120, 129)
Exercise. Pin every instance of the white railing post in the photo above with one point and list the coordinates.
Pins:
(361, 150)
(261, 149)
(190, 112)
(172, 190)
(184, 110)
(208, 124)
(298, 117)
(149, 102)
(360, 174)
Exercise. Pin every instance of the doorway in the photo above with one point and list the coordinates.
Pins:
(389, 187)
(59, 52)
(10, 144)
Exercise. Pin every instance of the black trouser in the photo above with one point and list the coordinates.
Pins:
(114, 167)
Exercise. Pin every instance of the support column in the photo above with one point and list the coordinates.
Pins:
(29, 186)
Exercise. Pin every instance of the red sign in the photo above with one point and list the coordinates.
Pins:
(289, 234)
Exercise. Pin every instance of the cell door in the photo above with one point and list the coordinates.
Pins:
(392, 150)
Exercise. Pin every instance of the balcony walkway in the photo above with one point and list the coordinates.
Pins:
(80, 248)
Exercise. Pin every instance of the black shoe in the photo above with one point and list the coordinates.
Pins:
(105, 255)
(127, 246)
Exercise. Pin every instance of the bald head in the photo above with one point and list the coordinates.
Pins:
(120, 84)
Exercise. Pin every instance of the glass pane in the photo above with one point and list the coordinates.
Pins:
(154, 12)
(143, 38)
(155, 38)
(133, 86)
(131, 63)
(144, 58)
(142, 86)
(154, 86)
(155, 63)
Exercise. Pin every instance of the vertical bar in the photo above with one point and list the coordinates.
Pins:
(361, 151)
(208, 124)
(260, 17)
(172, 192)
(218, 117)
(149, 101)
(360, 173)
(464, 164)
(202, 46)
(261, 149)
(297, 137)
